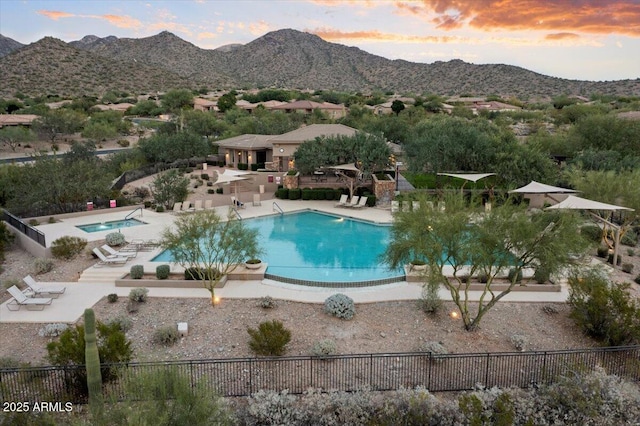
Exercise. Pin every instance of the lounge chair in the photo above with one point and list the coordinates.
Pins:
(115, 253)
(395, 206)
(406, 206)
(20, 299)
(177, 207)
(37, 290)
(104, 260)
(208, 204)
(198, 205)
(354, 201)
(237, 203)
(186, 206)
(441, 206)
(344, 198)
(430, 205)
(362, 203)
(415, 206)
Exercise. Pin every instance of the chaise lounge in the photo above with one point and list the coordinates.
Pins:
(37, 290)
(104, 260)
(20, 299)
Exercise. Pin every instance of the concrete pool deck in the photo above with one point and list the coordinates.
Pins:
(97, 282)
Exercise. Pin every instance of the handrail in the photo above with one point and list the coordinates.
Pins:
(235, 210)
(275, 205)
(127, 216)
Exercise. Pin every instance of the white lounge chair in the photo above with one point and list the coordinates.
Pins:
(177, 207)
(362, 203)
(186, 206)
(395, 206)
(415, 206)
(198, 205)
(115, 253)
(406, 206)
(37, 290)
(20, 299)
(208, 204)
(344, 198)
(354, 201)
(104, 260)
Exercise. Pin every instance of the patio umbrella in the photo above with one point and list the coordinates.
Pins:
(573, 202)
(534, 187)
(226, 179)
(473, 177)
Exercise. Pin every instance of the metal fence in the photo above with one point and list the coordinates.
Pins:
(376, 372)
(31, 232)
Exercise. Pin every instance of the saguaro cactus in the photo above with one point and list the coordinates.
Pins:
(92, 361)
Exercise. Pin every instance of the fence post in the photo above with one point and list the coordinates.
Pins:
(250, 376)
(311, 361)
(486, 376)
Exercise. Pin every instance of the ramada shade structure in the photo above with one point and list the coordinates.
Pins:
(573, 202)
(472, 177)
(534, 187)
(232, 176)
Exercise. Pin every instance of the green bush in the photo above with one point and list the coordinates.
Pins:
(114, 239)
(219, 190)
(162, 272)
(124, 323)
(292, 172)
(204, 176)
(112, 298)
(430, 301)
(209, 183)
(602, 252)
(630, 238)
(627, 267)
(282, 193)
(67, 247)
(254, 167)
(198, 274)
(270, 339)
(42, 265)
(136, 272)
(243, 166)
(295, 194)
(515, 274)
(340, 305)
(592, 233)
(165, 336)
(307, 194)
(138, 294)
(637, 279)
(159, 208)
(604, 310)
(267, 302)
(618, 259)
(631, 252)
(69, 350)
(211, 191)
(541, 275)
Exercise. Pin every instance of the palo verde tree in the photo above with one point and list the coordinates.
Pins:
(210, 246)
(459, 243)
(58, 122)
(169, 187)
(368, 153)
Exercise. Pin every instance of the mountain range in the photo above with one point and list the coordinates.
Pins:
(284, 59)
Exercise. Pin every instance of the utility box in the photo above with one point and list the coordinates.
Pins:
(183, 329)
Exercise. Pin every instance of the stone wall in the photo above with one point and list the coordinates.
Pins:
(291, 182)
(384, 190)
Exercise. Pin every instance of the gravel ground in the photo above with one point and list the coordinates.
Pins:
(221, 331)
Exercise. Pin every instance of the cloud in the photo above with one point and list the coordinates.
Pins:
(121, 21)
(55, 15)
(581, 16)
(259, 28)
(169, 26)
(206, 35)
(561, 36)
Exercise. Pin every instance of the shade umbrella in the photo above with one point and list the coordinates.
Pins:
(226, 179)
(473, 177)
(573, 202)
(534, 187)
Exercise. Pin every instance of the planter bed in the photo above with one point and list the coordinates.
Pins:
(497, 286)
(174, 281)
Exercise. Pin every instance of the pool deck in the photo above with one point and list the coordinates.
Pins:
(97, 282)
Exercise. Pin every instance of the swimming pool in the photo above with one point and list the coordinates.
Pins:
(107, 226)
(318, 247)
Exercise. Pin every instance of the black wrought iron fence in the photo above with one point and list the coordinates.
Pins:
(377, 372)
(28, 230)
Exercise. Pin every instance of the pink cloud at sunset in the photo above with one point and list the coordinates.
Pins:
(55, 15)
(115, 20)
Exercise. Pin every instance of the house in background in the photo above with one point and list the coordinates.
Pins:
(122, 107)
(16, 119)
(246, 149)
(201, 104)
(334, 111)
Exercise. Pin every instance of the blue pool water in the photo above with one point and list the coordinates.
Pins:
(319, 247)
(107, 226)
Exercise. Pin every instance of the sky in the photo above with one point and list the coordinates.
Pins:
(593, 40)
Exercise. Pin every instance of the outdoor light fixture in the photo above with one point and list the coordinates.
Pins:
(453, 315)
(216, 300)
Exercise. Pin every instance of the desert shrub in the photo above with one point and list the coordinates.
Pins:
(42, 265)
(627, 267)
(271, 338)
(8, 362)
(69, 350)
(435, 349)
(549, 309)
(52, 330)
(604, 310)
(122, 322)
(602, 252)
(323, 347)
(211, 191)
(515, 274)
(159, 208)
(618, 259)
(112, 298)
(340, 305)
(67, 247)
(52, 219)
(165, 336)
(267, 302)
(162, 272)
(219, 191)
(592, 233)
(132, 306)
(518, 341)
(630, 238)
(123, 143)
(209, 183)
(430, 301)
(631, 252)
(33, 222)
(6, 238)
(272, 408)
(10, 282)
(114, 239)
(637, 279)
(138, 294)
(136, 272)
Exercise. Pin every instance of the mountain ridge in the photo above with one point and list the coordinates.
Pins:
(292, 59)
